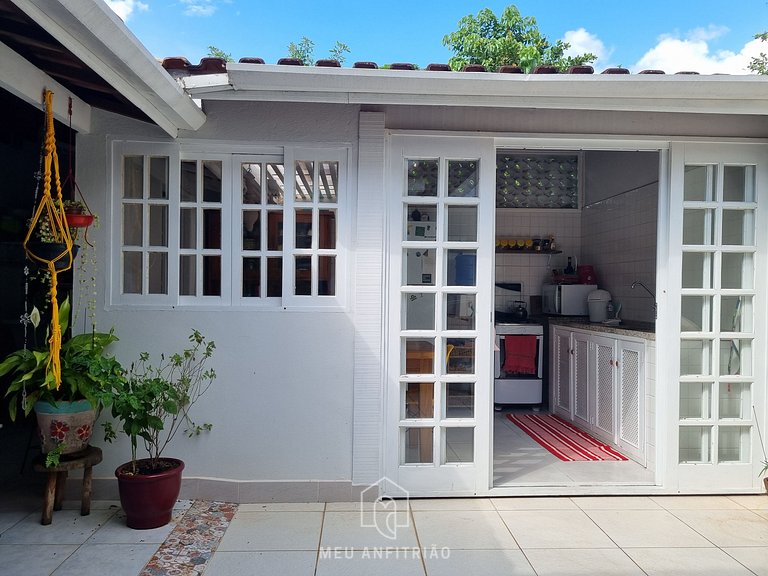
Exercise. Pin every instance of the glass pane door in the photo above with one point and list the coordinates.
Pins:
(441, 340)
(719, 395)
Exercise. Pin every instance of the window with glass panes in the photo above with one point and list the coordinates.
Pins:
(717, 309)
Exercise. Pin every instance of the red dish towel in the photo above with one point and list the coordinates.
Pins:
(520, 354)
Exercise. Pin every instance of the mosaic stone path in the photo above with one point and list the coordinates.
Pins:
(191, 544)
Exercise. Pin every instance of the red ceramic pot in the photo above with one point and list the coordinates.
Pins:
(148, 499)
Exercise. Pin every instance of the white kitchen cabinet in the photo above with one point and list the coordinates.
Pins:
(598, 382)
(560, 371)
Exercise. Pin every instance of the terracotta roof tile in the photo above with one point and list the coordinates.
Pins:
(179, 66)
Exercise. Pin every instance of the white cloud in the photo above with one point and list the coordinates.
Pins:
(583, 42)
(124, 8)
(692, 53)
(199, 7)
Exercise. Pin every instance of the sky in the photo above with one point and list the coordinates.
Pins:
(707, 36)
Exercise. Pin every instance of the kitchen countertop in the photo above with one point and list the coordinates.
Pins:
(635, 328)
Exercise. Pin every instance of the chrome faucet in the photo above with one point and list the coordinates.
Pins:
(655, 307)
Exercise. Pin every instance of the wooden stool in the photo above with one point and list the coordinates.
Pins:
(57, 479)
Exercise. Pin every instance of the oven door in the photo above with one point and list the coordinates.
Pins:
(518, 372)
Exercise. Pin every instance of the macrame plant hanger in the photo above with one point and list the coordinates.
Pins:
(52, 210)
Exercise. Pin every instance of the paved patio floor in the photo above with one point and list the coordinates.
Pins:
(612, 536)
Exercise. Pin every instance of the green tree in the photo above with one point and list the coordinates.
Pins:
(304, 50)
(219, 53)
(511, 39)
(759, 64)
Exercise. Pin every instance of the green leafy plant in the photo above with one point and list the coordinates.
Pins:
(87, 373)
(304, 50)
(153, 401)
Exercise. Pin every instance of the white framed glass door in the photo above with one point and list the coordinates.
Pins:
(439, 349)
(721, 311)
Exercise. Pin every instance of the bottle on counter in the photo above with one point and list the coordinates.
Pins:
(569, 269)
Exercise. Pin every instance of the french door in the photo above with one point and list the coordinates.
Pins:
(719, 229)
(439, 353)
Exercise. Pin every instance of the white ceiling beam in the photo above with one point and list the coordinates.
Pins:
(22, 79)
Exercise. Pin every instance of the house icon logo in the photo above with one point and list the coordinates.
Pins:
(384, 513)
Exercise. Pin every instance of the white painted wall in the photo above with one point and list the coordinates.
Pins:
(282, 403)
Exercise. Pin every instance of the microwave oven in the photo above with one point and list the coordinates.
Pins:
(566, 299)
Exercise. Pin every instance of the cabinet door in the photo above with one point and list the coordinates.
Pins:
(631, 390)
(561, 372)
(581, 395)
(604, 387)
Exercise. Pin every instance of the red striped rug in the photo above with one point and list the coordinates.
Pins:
(563, 439)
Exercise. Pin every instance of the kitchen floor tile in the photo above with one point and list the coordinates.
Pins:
(728, 527)
(491, 562)
(569, 562)
(646, 529)
(686, 562)
(754, 558)
(387, 528)
(463, 530)
(251, 531)
(554, 529)
(392, 562)
(112, 559)
(292, 563)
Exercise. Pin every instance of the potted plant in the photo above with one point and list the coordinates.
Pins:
(77, 213)
(152, 403)
(66, 411)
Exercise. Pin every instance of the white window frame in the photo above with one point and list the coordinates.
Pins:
(227, 189)
(231, 156)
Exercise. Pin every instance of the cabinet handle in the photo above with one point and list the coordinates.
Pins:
(571, 351)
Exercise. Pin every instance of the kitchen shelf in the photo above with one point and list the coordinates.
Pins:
(526, 251)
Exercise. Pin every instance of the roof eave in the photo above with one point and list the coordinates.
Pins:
(659, 93)
(92, 32)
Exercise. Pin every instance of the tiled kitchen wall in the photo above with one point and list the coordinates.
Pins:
(620, 242)
(532, 269)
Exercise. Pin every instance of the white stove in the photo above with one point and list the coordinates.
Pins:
(518, 364)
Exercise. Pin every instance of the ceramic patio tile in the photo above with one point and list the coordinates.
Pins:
(68, 527)
(368, 529)
(451, 504)
(554, 529)
(398, 562)
(586, 562)
(115, 531)
(728, 527)
(42, 561)
(752, 502)
(696, 502)
(754, 558)
(493, 563)
(534, 503)
(686, 562)
(463, 530)
(615, 503)
(292, 563)
(250, 531)
(283, 507)
(9, 519)
(401, 505)
(646, 529)
(112, 559)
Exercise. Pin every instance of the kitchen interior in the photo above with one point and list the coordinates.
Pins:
(575, 249)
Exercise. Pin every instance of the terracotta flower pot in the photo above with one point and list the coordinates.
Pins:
(148, 499)
(69, 424)
(78, 219)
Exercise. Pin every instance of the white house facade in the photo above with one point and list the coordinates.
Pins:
(343, 235)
